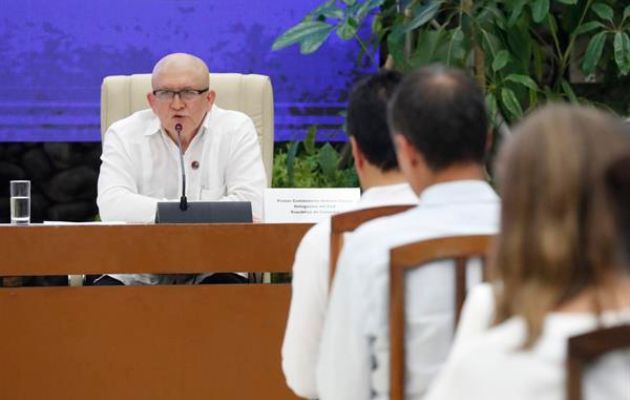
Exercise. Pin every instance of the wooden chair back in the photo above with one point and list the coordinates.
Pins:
(415, 255)
(145, 342)
(351, 220)
(586, 348)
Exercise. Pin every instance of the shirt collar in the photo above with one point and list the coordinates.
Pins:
(376, 193)
(153, 126)
(464, 191)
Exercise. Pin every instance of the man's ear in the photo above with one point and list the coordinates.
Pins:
(359, 159)
(211, 97)
(151, 101)
(412, 163)
(405, 151)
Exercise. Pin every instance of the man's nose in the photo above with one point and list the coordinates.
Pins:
(177, 103)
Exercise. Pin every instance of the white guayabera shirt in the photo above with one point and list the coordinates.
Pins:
(354, 353)
(141, 166)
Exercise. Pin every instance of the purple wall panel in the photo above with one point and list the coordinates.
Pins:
(54, 54)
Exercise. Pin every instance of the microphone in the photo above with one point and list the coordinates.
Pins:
(183, 202)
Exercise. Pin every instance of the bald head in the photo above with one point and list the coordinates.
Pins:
(180, 74)
(181, 64)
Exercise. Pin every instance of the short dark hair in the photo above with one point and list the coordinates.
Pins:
(441, 111)
(367, 118)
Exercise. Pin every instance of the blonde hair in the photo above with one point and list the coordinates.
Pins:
(557, 234)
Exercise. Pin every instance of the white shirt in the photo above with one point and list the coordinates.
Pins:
(310, 292)
(141, 166)
(354, 353)
(487, 362)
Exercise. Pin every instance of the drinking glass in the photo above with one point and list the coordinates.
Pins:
(20, 202)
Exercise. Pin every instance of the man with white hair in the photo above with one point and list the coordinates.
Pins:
(140, 161)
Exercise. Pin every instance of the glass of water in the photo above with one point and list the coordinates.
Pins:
(20, 202)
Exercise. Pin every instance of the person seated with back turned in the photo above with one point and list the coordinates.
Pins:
(382, 184)
(438, 124)
(553, 271)
(141, 164)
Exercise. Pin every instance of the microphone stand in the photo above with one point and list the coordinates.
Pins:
(183, 202)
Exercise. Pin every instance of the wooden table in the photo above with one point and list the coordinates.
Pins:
(145, 342)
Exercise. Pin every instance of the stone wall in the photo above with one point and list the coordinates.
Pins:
(63, 179)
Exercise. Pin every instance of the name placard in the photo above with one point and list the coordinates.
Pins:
(307, 205)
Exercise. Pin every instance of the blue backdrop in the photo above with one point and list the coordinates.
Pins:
(54, 55)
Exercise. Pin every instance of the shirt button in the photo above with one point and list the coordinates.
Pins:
(194, 164)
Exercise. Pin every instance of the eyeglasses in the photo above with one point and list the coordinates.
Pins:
(184, 95)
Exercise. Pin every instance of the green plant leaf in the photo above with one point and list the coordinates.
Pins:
(490, 14)
(490, 44)
(523, 80)
(491, 106)
(279, 175)
(533, 100)
(377, 26)
(352, 9)
(428, 42)
(396, 46)
(517, 11)
(537, 62)
(327, 160)
(291, 162)
(309, 140)
(626, 14)
(540, 9)
(520, 42)
(327, 10)
(569, 2)
(511, 102)
(568, 90)
(501, 60)
(455, 46)
(594, 52)
(347, 29)
(366, 7)
(423, 14)
(349, 2)
(311, 31)
(604, 11)
(305, 174)
(587, 27)
(622, 52)
(311, 43)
